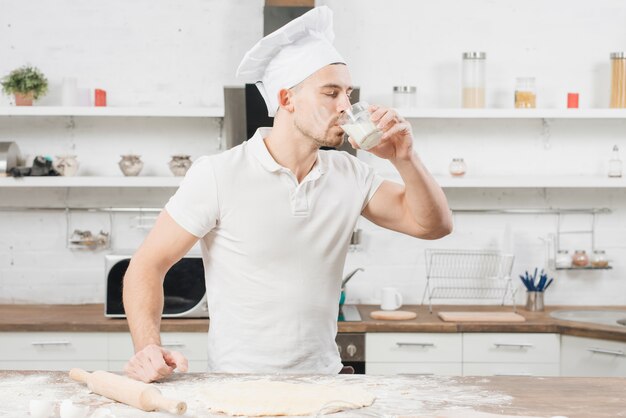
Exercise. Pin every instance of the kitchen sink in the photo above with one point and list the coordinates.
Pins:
(599, 317)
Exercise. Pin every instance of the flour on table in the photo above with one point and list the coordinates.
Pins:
(264, 397)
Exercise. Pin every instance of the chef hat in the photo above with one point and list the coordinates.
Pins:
(290, 54)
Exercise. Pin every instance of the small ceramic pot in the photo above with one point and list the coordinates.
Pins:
(24, 99)
(66, 165)
(131, 164)
(179, 164)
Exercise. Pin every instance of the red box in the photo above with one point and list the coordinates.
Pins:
(572, 100)
(101, 98)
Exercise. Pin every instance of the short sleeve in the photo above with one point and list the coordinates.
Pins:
(195, 205)
(368, 180)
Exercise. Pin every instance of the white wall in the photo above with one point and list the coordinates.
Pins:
(169, 53)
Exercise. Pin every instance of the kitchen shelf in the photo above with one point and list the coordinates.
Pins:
(111, 111)
(417, 113)
(584, 268)
(85, 181)
(522, 181)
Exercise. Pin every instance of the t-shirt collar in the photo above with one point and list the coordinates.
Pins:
(258, 148)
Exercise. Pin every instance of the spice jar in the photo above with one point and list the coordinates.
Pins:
(457, 167)
(563, 259)
(615, 164)
(580, 258)
(599, 260)
(618, 79)
(404, 96)
(525, 94)
(473, 79)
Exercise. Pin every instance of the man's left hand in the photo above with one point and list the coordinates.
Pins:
(397, 140)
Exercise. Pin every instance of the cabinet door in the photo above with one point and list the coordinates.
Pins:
(590, 357)
(58, 365)
(193, 345)
(510, 348)
(44, 346)
(510, 369)
(413, 347)
(416, 369)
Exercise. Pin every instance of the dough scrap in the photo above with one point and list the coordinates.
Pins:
(270, 398)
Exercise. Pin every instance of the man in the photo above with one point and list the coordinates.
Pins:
(275, 215)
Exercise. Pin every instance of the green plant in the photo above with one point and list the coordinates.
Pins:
(24, 80)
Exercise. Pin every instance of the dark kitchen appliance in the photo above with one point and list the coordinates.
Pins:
(183, 288)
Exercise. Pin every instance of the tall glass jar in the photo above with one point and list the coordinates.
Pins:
(525, 93)
(474, 79)
(618, 79)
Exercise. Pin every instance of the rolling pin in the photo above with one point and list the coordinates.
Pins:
(128, 391)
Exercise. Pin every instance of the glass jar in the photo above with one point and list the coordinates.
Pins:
(618, 79)
(404, 96)
(457, 167)
(615, 163)
(525, 93)
(563, 259)
(599, 260)
(580, 258)
(474, 79)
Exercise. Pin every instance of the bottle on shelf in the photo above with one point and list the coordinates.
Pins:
(599, 260)
(474, 79)
(580, 258)
(457, 167)
(618, 80)
(615, 163)
(563, 260)
(525, 93)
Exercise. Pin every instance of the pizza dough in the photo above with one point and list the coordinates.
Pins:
(264, 397)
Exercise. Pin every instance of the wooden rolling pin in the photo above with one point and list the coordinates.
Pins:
(128, 391)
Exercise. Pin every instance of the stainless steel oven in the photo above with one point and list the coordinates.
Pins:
(184, 288)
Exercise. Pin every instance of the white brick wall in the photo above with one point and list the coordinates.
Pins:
(170, 53)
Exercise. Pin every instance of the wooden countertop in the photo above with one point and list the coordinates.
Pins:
(399, 396)
(90, 318)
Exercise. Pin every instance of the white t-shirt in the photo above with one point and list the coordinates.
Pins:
(273, 253)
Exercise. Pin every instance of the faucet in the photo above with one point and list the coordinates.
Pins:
(349, 276)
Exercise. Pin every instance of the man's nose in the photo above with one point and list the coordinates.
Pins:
(344, 103)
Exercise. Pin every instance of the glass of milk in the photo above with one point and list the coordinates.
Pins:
(357, 123)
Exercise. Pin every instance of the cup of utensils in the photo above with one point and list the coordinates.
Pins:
(535, 289)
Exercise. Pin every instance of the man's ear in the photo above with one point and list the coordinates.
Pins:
(285, 99)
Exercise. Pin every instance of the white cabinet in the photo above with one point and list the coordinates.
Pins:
(413, 353)
(592, 357)
(89, 350)
(53, 350)
(511, 354)
(470, 354)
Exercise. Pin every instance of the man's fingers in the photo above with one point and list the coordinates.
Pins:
(157, 360)
(397, 128)
(177, 360)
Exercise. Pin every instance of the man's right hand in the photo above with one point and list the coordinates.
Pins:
(154, 363)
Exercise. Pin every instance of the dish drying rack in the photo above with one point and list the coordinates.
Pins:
(468, 274)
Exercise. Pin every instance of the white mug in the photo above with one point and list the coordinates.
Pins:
(390, 299)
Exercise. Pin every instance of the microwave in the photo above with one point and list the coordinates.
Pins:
(184, 288)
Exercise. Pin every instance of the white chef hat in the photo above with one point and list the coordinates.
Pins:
(290, 54)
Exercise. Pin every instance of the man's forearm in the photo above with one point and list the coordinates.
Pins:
(143, 304)
(423, 197)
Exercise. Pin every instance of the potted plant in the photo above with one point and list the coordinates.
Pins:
(26, 83)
